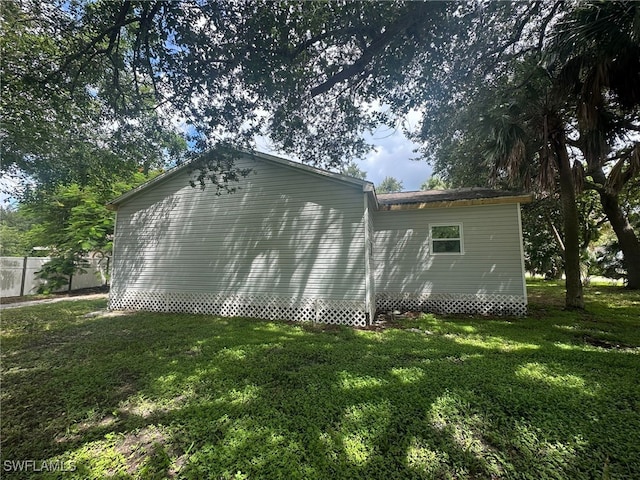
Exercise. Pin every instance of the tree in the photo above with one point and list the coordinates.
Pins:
(434, 182)
(60, 128)
(593, 66)
(534, 123)
(520, 140)
(543, 238)
(13, 233)
(73, 222)
(389, 185)
(303, 74)
(73, 219)
(352, 170)
(593, 59)
(543, 243)
(609, 260)
(598, 48)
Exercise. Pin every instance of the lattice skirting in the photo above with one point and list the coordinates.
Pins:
(484, 304)
(343, 312)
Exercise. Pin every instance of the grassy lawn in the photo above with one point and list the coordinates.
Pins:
(555, 395)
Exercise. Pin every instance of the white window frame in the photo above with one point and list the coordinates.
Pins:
(460, 238)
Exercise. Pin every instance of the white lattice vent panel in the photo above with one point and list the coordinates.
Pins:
(484, 304)
(148, 301)
(341, 312)
(259, 306)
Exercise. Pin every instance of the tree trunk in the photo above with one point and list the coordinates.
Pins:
(627, 239)
(574, 298)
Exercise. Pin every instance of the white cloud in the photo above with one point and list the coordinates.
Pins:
(393, 156)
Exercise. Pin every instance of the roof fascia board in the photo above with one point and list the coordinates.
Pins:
(363, 184)
(113, 204)
(459, 203)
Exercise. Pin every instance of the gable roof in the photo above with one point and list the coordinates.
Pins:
(449, 198)
(365, 185)
(383, 201)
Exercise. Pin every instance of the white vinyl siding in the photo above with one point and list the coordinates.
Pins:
(491, 263)
(285, 232)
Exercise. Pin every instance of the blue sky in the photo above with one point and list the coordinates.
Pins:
(393, 157)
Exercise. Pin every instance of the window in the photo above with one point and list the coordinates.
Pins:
(446, 239)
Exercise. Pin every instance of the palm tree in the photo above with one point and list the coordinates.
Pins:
(597, 51)
(527, 141)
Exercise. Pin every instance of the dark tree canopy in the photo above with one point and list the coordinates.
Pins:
(108, 76)
(59, 125)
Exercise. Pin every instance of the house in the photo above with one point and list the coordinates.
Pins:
(300, 243)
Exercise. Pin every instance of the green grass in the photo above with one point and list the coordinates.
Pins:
(555, 395)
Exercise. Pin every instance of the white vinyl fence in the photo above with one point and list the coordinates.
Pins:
(18, 275)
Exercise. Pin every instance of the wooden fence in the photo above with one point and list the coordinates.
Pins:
(18, 275)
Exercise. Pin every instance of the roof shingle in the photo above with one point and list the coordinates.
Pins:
(460, 195)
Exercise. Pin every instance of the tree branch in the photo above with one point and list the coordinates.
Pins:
(146, 21)
(113, 31)
(629, 125)
(499, 51)
(321, 36)
(517, 34)
(545, 23)
(413, 17)
(557, 235)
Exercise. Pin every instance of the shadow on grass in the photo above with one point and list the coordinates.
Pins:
(157, 395)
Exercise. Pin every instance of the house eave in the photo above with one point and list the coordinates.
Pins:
(364, 184)
(526, 198)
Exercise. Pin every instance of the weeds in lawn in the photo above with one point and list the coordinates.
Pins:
(554, 395)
